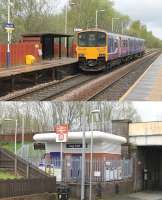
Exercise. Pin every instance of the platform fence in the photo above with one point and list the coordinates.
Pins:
(104, 170)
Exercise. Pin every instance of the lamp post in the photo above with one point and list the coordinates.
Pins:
(15, 146)
(83, 153)
(91, 158)
(23, 130)
(97, 11)
(66, 14)
(113, 19)
(66, 17)
(8, 56)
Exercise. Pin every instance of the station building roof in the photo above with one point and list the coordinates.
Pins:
(46, 34)
(98, 136)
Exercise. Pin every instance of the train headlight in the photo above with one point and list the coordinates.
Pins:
(101, 55)
(81, 55)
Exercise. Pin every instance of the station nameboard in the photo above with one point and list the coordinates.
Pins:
(75, 146)
(39, 146)
(9, 27)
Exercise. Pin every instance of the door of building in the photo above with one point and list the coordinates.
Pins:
(76, 167)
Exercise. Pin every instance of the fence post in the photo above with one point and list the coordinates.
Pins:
(27, 170)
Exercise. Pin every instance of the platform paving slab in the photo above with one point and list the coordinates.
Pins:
(149, 86)
(16, 70)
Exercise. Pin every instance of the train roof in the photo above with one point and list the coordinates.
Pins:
(110, 33)
(77, 136)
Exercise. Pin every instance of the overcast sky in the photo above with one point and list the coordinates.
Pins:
(148, 11)
(149, 111)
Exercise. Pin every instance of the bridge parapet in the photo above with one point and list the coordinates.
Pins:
(145, 128)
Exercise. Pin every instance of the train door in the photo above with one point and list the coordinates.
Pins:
(76, 167)
(120, 46)
(129, 46)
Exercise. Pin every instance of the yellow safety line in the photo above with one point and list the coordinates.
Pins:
(123, 98)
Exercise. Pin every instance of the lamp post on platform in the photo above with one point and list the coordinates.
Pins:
(97, 11)
(9, 35)
(93, 112)
(66, 14)
(83, 153)
(113, 19)
(66, 17)
(9, 27)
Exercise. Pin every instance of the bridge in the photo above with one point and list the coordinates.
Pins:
(146, 142)
(146, 134)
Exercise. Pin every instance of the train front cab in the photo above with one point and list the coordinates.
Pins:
(92, 50)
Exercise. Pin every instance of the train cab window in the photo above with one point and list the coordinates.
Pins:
(101, 39)
(92, 39)
(82, 39)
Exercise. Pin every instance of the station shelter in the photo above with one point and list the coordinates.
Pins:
(106, 147)
(48, 43)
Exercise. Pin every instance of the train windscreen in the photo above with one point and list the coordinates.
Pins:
(92, 39)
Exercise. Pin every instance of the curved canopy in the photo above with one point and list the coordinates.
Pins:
(77, 136)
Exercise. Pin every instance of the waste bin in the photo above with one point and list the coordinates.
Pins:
(30, 59)
(63, 192)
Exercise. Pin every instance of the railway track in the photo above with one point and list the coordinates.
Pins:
(58, 90)
(114, 84)
(119, 87)
(50, 90)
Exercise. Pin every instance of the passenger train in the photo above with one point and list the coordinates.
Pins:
(98, 50)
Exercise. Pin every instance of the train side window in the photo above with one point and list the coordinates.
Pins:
(110, 45)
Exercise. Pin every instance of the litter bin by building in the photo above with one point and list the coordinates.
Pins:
(63, 192)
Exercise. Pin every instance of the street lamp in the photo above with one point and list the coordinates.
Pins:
(23, 130)
(83, 153)
(9, 35)
(113, 19)
(16, 127)
(93, 112)
(66, 17)
(97, 11)
(66, 14)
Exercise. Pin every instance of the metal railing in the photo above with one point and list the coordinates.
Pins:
(103, 170)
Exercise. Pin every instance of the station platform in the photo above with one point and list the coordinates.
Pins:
(149, 86)
(44, 65)
(24, 76)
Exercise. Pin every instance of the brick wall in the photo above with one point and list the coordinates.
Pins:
(121, 128)
(107, 189)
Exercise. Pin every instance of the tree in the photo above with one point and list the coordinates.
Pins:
(43, 116)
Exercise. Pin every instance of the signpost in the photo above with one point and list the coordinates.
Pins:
(61, 137)
(9, 27)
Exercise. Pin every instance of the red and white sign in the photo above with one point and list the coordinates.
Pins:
(62, 132)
